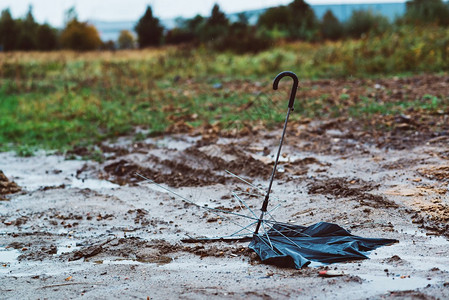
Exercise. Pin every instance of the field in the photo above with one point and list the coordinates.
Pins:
(366, 147)
(61, 100)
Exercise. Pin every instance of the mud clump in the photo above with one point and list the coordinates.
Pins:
(189, 167)
(436, 223)
(7, 186)
(153, 251)
(411, 294)
(355, 189)
(129, 248)
(40, 253)
(237, 161)
(440, 173)
(176, 175)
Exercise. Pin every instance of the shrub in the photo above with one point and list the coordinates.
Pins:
(126, 40)
(80, 36)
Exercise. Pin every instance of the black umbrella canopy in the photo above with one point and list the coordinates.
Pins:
(296, 246)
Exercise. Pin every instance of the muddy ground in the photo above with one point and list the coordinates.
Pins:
(83, 229)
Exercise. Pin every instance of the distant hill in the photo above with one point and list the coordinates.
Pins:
(111, 30)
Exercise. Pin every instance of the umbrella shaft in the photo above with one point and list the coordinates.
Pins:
(267, 196)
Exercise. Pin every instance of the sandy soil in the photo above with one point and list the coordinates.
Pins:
(82, 229)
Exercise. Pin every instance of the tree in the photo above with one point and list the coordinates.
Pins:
(303, 24)
(365, 21)
(186, 31)
(28, 27)
(297, 20)
(126, 40)
(47, 38)
(149, 31)
(8, 31)
(427, 11)
(275, 17)
(194, 25)
(331, 27)
(217, 17)
(80, 36)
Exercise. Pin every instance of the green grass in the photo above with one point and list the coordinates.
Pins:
(64, 99)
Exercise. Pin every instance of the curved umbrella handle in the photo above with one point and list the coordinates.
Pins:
(294, 86)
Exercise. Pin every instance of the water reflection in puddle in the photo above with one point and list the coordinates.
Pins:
(92, 184)
(160, 260)
(8, 257)
(66, 247)
(395, 283)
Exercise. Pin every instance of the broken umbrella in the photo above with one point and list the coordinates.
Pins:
(294, 245)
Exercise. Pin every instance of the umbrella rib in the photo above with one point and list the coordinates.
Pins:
(193, 203)
(272, 227)
(269, 241)
(294, 230)
(246, 181)
(244, 228)
(243, 202)
(256, 195)
(268, 213)
(250, 184)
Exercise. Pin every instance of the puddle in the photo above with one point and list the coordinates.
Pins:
(44, 170)
(173, 143)
(159, 260)
(432, 240)
(385, 283)
(8, 255)
(67, 247)
(93, 184)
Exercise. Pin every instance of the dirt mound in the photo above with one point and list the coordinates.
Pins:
(7, 186)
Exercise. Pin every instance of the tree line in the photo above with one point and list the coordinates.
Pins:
(295, 21)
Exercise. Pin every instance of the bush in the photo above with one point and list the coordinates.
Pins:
(126, 40)
(80, 36)
(177, 36)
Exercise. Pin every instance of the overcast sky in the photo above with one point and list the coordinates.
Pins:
(52, 11)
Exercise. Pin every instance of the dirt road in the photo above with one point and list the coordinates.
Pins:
(95, 230)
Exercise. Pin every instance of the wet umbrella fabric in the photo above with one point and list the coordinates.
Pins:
(297, 246)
